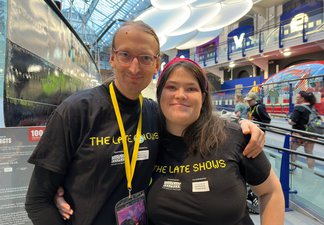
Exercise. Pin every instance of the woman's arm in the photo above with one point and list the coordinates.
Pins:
(39, 200)
(272, 204)
(63, 207)
(294, 117)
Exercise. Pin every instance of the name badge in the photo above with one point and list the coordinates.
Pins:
(132, 210)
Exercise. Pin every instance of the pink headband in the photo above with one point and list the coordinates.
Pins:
(177, 59)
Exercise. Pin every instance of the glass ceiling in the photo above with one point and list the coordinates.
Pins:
(185, 24)
(99, 19)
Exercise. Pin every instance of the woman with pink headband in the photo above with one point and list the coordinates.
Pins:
(200, 174)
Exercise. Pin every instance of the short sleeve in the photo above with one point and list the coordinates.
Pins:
(55, 149)
(255, 171)
(295, 116)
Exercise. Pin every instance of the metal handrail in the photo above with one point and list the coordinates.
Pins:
(285, 158)
(293, 130)
(295, 152)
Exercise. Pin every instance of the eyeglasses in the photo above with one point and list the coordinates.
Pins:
(127, 59)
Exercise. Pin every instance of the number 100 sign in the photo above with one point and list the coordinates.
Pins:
(35, 133)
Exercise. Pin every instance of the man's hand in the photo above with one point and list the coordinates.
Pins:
(62, 206)
(256, 143)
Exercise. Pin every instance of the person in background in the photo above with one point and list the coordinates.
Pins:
(241, 108)
(84, 146)
(298, 119)
(200, 173)
(257, 111)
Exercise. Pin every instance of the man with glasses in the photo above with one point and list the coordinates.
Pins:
(101, 144)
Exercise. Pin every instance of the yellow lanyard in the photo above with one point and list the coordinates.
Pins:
(251, 112)
(129, 166)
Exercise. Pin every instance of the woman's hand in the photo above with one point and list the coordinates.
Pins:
(238, 114)
(256, 143)
(63, 207)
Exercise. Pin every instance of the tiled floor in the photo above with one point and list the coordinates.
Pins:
(292, 218)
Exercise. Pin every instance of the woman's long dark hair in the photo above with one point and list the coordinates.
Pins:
(207, 132)
(308, 96)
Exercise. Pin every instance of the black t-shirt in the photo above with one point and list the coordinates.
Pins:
(192, 190)
(300, 116)
(82, 142)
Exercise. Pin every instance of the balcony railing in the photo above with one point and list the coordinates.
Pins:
(301, 185)
(301, 29)
(279, 97)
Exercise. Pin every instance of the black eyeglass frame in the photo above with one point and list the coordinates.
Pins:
(155, 57)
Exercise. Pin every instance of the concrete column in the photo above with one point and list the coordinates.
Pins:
(263, 64)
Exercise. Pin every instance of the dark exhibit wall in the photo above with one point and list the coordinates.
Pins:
(45, 63)
(34, 87)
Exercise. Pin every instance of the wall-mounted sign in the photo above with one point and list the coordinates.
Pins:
(241, 36)
(297, 22)
(239, 40)
(16, 145)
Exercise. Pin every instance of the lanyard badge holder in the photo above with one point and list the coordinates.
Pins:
(132, 209)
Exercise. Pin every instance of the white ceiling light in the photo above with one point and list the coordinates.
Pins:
(165, 21)
(198, 17)
(174, 41)
(286, 54)
(230, 12)
(170, 4)
(231, 64)
(200, 38)
(204, 3)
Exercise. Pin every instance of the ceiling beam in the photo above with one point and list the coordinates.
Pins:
(109, 22)
(90, 10)
(107, 29)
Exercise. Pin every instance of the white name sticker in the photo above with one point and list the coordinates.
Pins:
(143, 155)
(201, 186)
